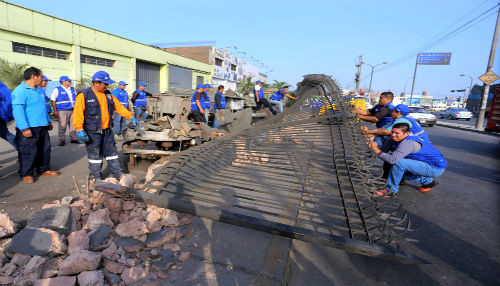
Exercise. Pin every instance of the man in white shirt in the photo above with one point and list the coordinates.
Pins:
(63, 100)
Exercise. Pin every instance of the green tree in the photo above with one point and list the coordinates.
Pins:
(279, 84)
(245, 87)
(11, 74)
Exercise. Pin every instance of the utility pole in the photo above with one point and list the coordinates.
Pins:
(486, 91)
(358, 74)
(413, 84)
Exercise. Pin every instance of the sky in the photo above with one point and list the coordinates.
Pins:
(294, 38)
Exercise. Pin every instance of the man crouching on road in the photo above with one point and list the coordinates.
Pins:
(92, 115)
(412, 158)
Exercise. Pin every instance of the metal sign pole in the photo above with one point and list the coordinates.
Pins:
(414, 75)
(486, 91)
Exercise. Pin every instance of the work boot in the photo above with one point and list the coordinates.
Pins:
(76, 142)
(28, 179)
(61, 143)
(428, 187)
(50, 173)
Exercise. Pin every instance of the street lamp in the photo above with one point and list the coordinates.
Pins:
(371, 76)
(470, 88)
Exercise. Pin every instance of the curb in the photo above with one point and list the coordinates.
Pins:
(468, 129)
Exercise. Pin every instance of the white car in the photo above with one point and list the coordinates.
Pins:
(422, 116)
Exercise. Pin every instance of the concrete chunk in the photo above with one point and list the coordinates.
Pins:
(39, 241)
(78, 262)
(99, 236)
(57, 219)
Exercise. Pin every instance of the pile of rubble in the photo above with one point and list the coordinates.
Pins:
(98, 240)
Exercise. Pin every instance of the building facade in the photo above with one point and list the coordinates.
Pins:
(60, 47)
(227, 68)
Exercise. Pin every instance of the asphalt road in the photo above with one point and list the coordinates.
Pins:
(456, 226)
(471, 122)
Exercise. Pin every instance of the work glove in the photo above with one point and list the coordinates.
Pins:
(82, 136)
(135, 122)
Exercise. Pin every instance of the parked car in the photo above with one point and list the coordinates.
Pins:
(456, 113)
(422, 116)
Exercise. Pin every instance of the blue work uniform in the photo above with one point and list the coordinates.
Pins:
(118, 120)
(427, 154)
(278, 95)
(63, 101)
(385, 120)
(6, 114)
(30, 112)
(222, 100)
(141, 100)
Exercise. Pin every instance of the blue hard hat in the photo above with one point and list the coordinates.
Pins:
(207, 85)
(102, 76)
(199, 86)
(64, 78)
(122, 83)
(403, 109)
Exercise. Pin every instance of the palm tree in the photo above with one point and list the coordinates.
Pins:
(279, 84)
(245, 87)
(11, 74)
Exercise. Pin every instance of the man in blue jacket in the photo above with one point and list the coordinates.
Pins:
(43, 87)
(220, 103)
(260, 98)
(140, 101)
(381, 114)
(278, 96)
(6, 115)
(63, 101)
(198, 105)
(122, 96)
(412, 159)
(206, 98)
(32, 127)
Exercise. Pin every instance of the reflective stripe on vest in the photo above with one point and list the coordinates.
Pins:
(207, 104)
(141, 100)
(92, 120)
(63, 102)
(193, 102)
(122, 96)
(428, 153)
(222, 101)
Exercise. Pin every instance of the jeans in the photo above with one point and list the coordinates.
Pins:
(34, 151)
(216, 123)
(380, 140)
(102, 145)
(6, 135)
(411, 170)
(119, 123)
(140, 111)
(278, 103)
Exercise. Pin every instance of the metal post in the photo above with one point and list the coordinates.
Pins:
(486, 91)
(371, 77)
(358, 75)
(414, 75)
(465, 98)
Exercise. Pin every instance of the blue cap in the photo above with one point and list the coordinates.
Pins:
(64, 78)
(142, 84)
(45, 78)
(207, 85)
(122, 83)
(403, 109)
(258, 81)
(199, 86)
(102, 76)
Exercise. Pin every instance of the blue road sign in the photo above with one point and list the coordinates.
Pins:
(434, 59)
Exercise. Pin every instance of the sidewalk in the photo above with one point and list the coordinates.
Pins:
(465, 128)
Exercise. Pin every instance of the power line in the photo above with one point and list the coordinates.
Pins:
(438, 40)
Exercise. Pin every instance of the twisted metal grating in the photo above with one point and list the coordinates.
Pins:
(302, 174)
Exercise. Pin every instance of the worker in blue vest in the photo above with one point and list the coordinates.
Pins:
(412, 159)
(92, 118)
(43, 87)
(6, 115)
(260, 99)
(220, 103)
(122, 96)
(198, 105)
(63, 101)
(140, 101)
(381, 114)
(278, 96)
(206, 98)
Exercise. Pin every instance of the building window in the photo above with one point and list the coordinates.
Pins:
(39, 51)
(96, 61)
(199, 80)
(218, 62)
(233, 67)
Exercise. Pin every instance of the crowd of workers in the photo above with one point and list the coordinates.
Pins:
(403, 145)
(95, 116)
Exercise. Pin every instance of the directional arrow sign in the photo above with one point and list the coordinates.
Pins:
(488, 77)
